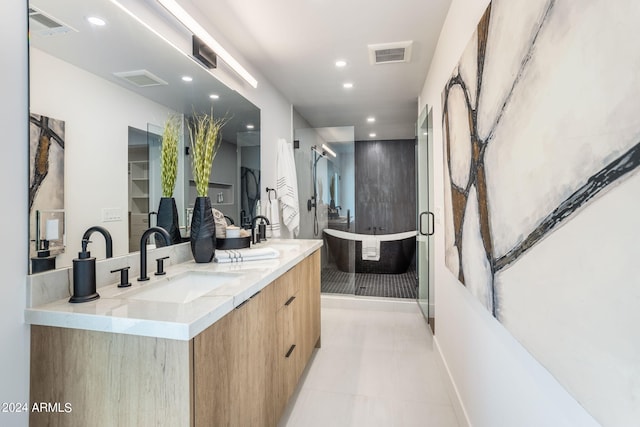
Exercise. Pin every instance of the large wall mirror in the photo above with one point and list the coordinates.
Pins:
(99, 98)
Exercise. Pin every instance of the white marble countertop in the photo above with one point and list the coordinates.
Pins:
(118, 311)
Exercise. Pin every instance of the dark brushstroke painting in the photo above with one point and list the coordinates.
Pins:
(476, 175)
(542, 153)
(46, 168)
(49, 131)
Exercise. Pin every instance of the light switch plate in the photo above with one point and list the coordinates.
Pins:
(111, 214)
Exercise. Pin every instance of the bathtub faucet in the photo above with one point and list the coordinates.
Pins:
(375, 229)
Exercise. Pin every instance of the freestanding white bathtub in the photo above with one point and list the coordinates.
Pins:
(396, 251)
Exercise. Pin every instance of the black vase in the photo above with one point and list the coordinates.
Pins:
(203, 231)
(168, 219)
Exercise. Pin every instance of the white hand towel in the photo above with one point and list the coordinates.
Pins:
(243, 255)
(272, 212)
(287, 187)
(370, 249)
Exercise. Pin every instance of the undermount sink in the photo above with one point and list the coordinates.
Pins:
(184, 287)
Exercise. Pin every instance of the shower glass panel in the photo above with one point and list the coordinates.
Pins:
(362, 203)
(327, 200)
(425, 220)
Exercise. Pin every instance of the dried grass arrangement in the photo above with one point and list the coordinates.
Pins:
(169, 155)
(206, 138)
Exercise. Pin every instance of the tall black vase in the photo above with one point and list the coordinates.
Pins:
(203, 231)
(168, 219)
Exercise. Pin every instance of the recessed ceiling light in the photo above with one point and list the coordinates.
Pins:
(214, 96)
(186, 78)
(250, 126)
(94, 20)
(372, 135)
(371, 119)
(347, 85)
(341, 64)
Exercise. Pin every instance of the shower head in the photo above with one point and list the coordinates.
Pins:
(319, 151)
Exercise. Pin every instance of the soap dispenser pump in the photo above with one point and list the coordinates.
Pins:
(84, 276)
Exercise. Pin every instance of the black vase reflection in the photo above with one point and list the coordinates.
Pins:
(167, 218)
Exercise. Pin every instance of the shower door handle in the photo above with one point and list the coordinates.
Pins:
(431, 227)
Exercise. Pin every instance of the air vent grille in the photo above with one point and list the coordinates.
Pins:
(44, 25)
(141, 78)
(388, 53)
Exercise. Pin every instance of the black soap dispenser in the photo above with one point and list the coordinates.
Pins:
(84, 276)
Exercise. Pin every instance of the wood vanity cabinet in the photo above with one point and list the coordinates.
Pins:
(233, 366)
(298, 325)
(234, 373)
(247, 365)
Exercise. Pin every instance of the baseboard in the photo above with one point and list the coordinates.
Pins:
(452, 390)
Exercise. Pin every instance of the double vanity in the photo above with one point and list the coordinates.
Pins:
(204, 345)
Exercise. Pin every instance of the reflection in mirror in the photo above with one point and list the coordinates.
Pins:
(249, 144)
(105, 84)
(46, 191)
(140, 181)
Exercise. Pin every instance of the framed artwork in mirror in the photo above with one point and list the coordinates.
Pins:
(46, 187)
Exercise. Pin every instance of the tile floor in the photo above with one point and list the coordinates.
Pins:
(403, 285)
(377, 367)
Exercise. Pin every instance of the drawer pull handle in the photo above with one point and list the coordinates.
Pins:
(289, 301)
(256, 294)
(290, 351)
(242, 303)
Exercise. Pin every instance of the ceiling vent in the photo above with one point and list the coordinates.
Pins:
(42, 24)
(389, 53)
(141, 78)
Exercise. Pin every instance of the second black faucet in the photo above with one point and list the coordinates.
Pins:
(143, 248)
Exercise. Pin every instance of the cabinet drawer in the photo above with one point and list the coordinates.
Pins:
(287, 328)
(287, 286)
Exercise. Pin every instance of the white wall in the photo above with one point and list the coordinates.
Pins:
(97, 116)
(14, 357)
(498, 382)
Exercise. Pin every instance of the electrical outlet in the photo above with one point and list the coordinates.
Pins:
(111, 214)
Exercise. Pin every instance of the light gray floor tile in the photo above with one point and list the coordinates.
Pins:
(376, 367)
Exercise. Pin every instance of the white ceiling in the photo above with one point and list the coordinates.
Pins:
(295, 44)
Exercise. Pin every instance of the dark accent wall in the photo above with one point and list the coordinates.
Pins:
(385, 181)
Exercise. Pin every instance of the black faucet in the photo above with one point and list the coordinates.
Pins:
(143, 248)
(262, 232)
(105, 233)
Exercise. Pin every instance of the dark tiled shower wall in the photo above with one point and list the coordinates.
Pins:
(385, 181)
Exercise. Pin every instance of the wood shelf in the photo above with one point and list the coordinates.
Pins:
(227, 191)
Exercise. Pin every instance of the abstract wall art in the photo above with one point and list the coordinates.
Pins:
(542, 186)
(46, 173)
